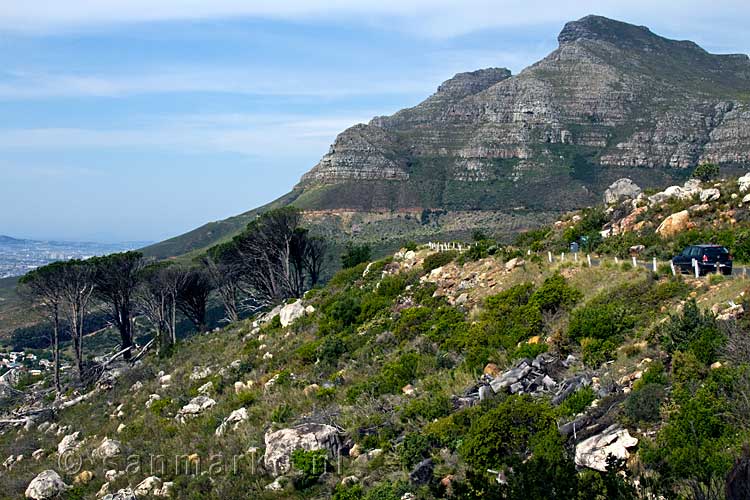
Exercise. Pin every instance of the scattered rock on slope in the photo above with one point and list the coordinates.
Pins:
(107, 449)
(291, 312)
(621, 189)
(232, 421)
(674, 224)
(48, 484)
(195, 407)
(69, 442)
(281, 444)
(593, 452)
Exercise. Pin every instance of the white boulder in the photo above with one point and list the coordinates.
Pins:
(195, 407)
(232, 421)
(281, 444)
(621, 189)
(151, 486)
(200, 372)
(744, 182)
(48, 484)
(514, 263)
(593, 452)
(291, 312)
(107, 449)
(710, 194)
(69, 442)
(206, 388)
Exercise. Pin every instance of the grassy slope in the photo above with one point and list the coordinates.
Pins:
(155, 432)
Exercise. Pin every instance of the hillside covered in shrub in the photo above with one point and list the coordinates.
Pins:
(481, 373)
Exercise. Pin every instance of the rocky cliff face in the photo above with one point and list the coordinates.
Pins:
(613, 100)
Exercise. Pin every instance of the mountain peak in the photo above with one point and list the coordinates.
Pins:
(472, 82)
(601, 28)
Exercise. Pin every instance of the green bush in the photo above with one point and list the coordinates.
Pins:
(354, 255)
(438, 259)
(387, 491)
(161, 406)
(247, 398)
(596, 351)
(706, 171)
(348, 493)
(577, 402)
(530, 351)
(392, 377)
(479, 250)
(643, 404)
(311, 464)
(504, 434)
(347, 276)
(654, 374)
(428, 408)
(437, 324)
(687, 370)
(391, 287)
(282, 413)
(415, 448)
(533, 239)
(699, 441)
(601, 321)
(330, 350)
(693, 331)
(345, 311)
(308, 352)
(509, 318)
(275, 322)
(554, 294)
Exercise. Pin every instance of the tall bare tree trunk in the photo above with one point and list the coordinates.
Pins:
(56, 348)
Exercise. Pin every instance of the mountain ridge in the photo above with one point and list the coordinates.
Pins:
(613, 100)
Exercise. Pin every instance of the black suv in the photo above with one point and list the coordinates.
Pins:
(708, 257)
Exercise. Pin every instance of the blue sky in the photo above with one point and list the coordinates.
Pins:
(139, 120)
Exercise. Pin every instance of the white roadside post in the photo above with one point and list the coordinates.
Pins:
(562, 257)
(588, 258)
(549, 256)
(696, 269)
(617, 261)
(671, 265)
(635, 262)
(653, 268)
(575, 256)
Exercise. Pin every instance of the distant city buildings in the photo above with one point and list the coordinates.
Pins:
(17, 257)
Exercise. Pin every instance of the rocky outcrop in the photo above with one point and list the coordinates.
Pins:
(621, 189)
(123, 494)
(674, 224)
(291, 312)
(151, 486)
(69, 443)
(744, 183)
(609, 86)
(232, 421)
(48, 484)
(594, 451)
(195, 407)
(280, 444)
(107, 449)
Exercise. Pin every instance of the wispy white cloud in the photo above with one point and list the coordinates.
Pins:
(255, 135)
(37, 85)
(426, 17)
